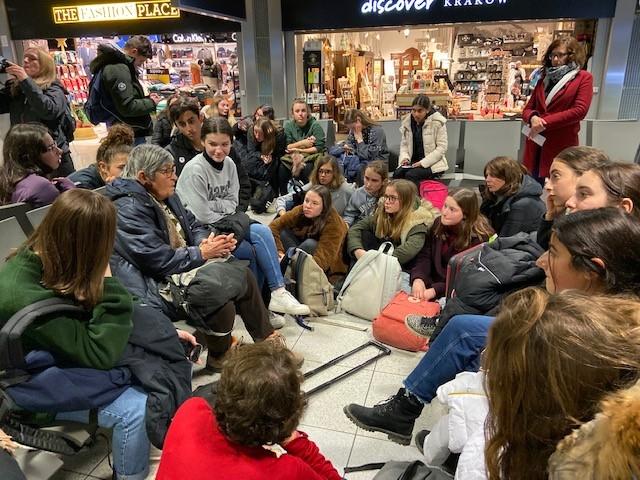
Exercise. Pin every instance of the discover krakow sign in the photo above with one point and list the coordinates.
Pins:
(386, 6)
(108, 12)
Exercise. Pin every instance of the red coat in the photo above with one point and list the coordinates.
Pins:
(563, 116)
(195, 449)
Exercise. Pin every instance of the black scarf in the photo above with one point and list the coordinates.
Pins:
(552, 75)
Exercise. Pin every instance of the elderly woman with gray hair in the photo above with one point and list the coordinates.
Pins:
(157, 237)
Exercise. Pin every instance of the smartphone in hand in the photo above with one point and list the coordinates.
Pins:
(192, 351)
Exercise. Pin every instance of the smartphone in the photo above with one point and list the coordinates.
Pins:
(192, 351)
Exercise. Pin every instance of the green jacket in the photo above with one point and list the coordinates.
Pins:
(120, 81)
(96, 341)
(295, 133)
(412, 238)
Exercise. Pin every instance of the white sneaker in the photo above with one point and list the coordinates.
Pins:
(277, 321)
(271, 207)
(283, 302)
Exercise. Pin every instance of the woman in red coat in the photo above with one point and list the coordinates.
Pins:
(560, 100)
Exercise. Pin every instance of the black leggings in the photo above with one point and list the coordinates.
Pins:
(415, 174)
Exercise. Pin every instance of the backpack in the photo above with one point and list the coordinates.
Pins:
(389, 327)
(99, 107)
(371, 283)
(434, 192)
(312, 287)
(262, 195)
(395, 470)
(68, 124)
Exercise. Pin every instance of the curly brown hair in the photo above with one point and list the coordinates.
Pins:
(259, 401)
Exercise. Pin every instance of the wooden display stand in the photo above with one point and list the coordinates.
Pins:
(405, 63)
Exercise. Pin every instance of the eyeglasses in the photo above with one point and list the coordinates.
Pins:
(558, 55)
(390, 198)
(325, 172)
(168, 172)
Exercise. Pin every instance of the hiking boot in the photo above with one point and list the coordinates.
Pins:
(276, 321)
(421, 326)
(283, 302)
(215, 360)
(278, 338)
(420, 437)
(395, 416)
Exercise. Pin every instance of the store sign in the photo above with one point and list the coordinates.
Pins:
(387, 6)
(109, 12)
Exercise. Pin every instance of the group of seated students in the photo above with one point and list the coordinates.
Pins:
(548, 359)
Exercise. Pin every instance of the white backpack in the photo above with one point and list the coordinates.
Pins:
(371, 283)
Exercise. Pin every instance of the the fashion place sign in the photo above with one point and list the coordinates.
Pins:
(108, 12)
(381, 7)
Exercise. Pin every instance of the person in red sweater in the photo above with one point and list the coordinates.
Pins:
(560, 100)
(460, 226)
(251, 431)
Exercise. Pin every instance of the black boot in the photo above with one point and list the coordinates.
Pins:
(395, 416)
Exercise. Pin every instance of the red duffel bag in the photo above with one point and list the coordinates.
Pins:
(389, 327)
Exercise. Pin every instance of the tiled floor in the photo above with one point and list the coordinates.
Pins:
(339, 439)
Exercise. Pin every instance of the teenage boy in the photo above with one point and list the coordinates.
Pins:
(186, 144)
(305, 143)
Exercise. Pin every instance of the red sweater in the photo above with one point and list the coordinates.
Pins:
(196, 449)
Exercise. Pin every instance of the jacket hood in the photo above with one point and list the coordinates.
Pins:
(108, 55)
(125, 187)
(607, 446)
(434, 116)
(425, 215)
(529, 188)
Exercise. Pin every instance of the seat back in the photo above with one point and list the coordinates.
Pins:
(18, 210)
(11, 236)
(36, 215)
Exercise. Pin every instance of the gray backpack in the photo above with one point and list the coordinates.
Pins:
(312, 287)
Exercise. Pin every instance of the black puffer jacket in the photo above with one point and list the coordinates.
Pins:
(88, 178)
(490, 273)
(253, 162)
(120, 82)
(521, 212)
(142, 255)
(32, 104)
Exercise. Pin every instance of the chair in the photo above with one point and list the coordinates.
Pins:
(19, 211)
(11, 236)
(36, 215)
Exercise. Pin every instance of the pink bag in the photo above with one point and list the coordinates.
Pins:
(389, 327)
(435, 192)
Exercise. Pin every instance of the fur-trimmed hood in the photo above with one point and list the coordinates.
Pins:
(424, 214)
(606, 448)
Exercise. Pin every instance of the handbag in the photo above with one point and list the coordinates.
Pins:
(389, 327)
(434, 192)
(371, 283)
(236, 223)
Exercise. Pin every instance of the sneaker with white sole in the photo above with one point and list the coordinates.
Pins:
(271, 207)
(421, 326)
(283, 302)
(277, 321)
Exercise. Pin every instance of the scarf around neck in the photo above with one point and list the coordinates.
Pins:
(554, 74)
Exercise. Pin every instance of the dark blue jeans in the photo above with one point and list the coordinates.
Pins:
(457, 349)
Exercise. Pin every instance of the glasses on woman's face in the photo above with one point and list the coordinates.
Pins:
(168, 171)
(390, 198)
(558, 55)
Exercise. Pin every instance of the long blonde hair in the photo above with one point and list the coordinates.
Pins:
(549, 360)
(47, 74)
(392, 226)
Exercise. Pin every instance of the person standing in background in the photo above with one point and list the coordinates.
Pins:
(33, 94)
(560, 101)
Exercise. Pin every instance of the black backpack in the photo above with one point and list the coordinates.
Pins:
(68, 124)
(99, 107)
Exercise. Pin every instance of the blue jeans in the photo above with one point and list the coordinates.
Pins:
(259, 248)
(457, 349)
(125, 415)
